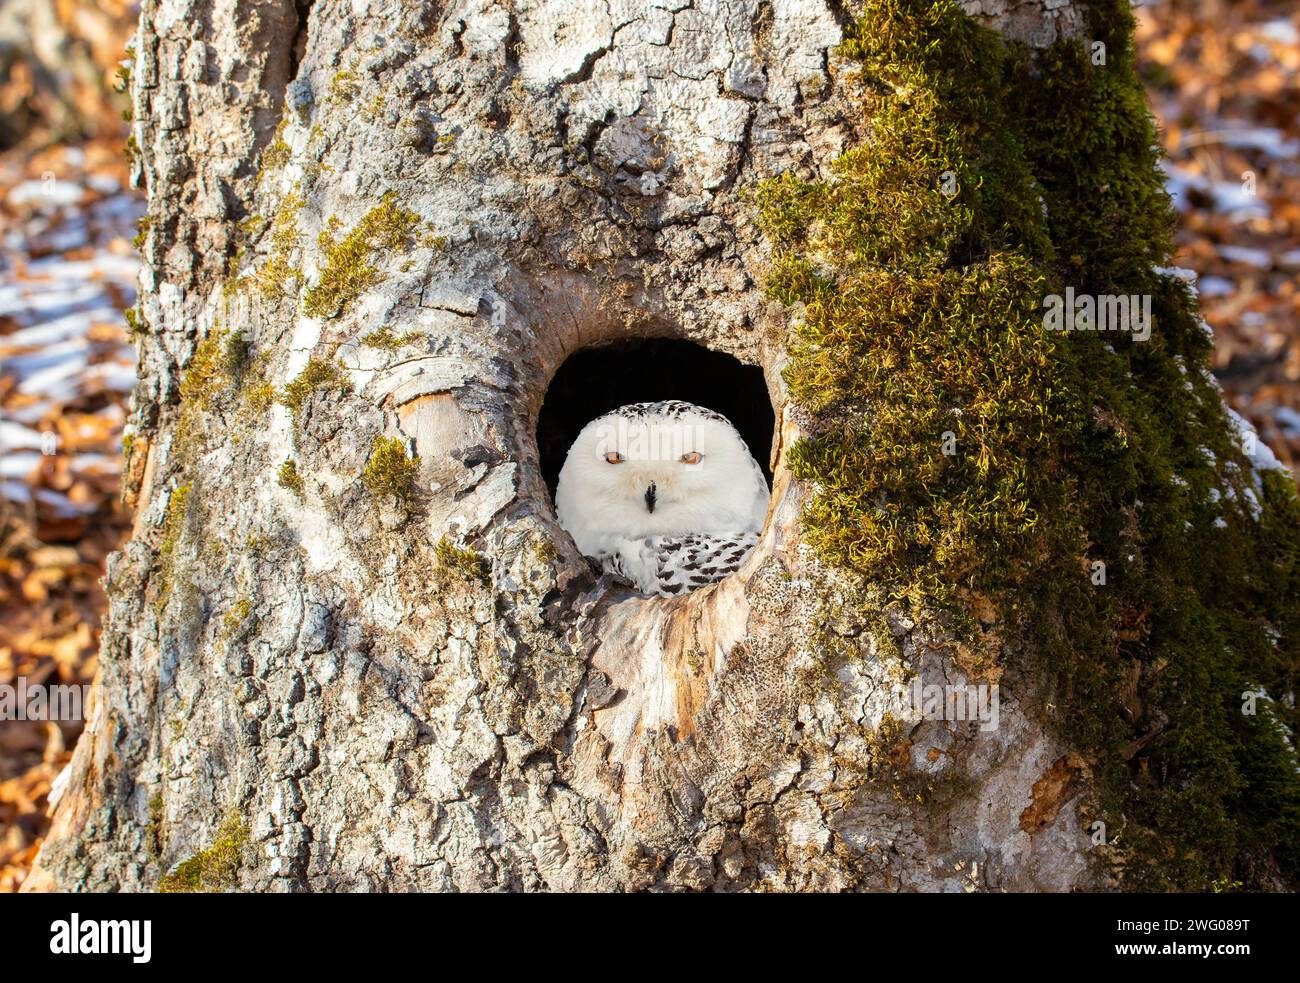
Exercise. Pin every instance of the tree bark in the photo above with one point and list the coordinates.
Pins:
(320, 661)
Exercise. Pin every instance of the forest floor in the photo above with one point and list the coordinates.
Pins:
(1224, 83)
(66, 372)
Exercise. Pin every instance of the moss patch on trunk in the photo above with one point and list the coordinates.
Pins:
(351, 259)
(214, 869)
(390, 471)
(1090, 483)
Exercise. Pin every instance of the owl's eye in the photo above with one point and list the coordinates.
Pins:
(694, 457)
(614, 457)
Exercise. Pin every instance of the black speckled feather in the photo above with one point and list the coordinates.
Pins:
(673, 565)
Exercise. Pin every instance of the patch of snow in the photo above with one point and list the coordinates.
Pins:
(1266, 139)
(1259, 258)
(42, 372)
(104, 184)
(1178, 273)
(62, 506)
(45, 195)
(1228, 197)
(113, 376)
(16, 437)
(1282, 31)
(1288, 419)
(1217, 286)
(19, 465)
(1261, 455)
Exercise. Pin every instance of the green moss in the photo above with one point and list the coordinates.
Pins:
(135, 326)
(290, 478)
(173, 522)
(142, 233)
(374, 108)
(214, 869)
(384, 338)
(349, 259)
(257, 544)
(315, 169)
(271, 279)
(318, 373)
(462, 561)
(960, 450)
(206, 376)
(237, 615)
(251, 227)
(343, 87)
(173, 528)
(259, 396)
(277, 152)
(233, 284)
(389, 471)
(235, 356)
(256, 391)
(157, 835)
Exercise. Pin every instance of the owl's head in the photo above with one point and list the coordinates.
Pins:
(658, 469)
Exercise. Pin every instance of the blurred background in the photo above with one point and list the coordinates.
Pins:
(1224, 81)
(67, 272)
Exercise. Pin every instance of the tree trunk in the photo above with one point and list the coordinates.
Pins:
(374, 220)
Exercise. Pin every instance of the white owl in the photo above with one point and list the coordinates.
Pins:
(665, 495)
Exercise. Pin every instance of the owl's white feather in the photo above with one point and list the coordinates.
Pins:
(631, 499)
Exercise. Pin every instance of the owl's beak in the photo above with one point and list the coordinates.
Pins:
(650, 497)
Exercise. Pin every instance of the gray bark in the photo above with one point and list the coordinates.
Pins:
(383, 722)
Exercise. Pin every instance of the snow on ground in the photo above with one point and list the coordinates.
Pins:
(67, 272)
(1223, 82)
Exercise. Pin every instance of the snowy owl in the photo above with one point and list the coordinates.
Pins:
(664, 495)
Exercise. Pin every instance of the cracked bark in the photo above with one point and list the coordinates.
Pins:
(380, 721)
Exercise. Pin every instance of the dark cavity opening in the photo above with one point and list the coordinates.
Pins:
(596, 380)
